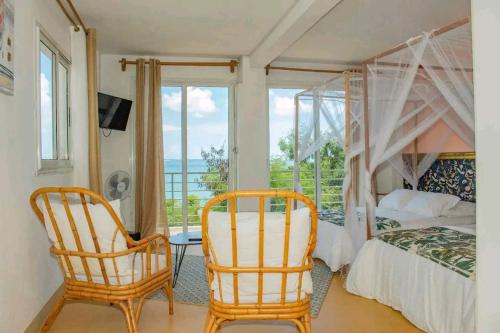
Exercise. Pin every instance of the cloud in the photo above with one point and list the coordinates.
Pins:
(46, 124)
(200, 101)
(283, 105)
(172, 101)
(170, 128)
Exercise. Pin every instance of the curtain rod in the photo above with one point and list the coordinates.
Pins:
(434, 33)
(75, 13)
(312, 70)
(232, 64)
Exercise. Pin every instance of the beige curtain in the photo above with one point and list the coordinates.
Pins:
(153, 210)
(139, 143)
(95, 172)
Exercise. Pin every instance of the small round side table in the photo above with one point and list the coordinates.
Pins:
(182, 241)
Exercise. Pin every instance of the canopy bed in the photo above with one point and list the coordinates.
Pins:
(428, 272)
(410, 89)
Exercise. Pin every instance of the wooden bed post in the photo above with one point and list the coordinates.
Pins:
(347, 110)
(367, 139)
(296, 170)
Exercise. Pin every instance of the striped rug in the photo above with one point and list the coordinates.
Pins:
(192, 288)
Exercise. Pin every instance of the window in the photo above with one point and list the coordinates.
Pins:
(197, 145)
(321, 175)
(281, 106)
(53, 112)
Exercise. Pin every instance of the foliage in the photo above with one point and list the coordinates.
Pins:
(332, 165)
(217, 175)
(281, 177)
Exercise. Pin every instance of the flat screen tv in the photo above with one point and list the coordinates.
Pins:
(113, 112)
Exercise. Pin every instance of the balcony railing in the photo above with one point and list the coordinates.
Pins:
(330, 183)
(198, 194)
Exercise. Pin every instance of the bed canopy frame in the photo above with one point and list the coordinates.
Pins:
(330, 112)
(401, 94)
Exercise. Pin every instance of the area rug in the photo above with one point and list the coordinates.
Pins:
(191, 287)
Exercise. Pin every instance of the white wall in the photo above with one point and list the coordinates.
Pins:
(485, 24)
(29, 275)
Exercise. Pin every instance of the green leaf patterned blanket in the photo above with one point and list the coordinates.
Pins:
(337, 217)
(449, 248)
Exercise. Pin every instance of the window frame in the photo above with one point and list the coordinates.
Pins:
(58, 165)
(232, 137)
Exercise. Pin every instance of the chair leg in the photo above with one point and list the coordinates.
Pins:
(300, 325)
(56, 309)
(130, 308)
(128, 311)
(170, 295)
(209, 322)
(307, 322)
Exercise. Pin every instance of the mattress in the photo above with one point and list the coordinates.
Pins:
(334, 245)
(434, 297)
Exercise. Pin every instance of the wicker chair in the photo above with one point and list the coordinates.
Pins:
(294, 308)
(119, 272)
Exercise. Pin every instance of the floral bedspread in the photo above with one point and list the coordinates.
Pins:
(336, 216)
(449, 248)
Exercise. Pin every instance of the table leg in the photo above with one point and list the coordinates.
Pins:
(178, 261)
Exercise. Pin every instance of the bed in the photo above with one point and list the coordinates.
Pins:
(450, 173)
(427, 273)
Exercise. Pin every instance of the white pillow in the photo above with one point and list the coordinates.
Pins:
(397, 199)
(247, 230)
(463, 208)
(431, 204)
(105, 229)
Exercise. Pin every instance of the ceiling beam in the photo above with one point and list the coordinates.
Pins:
(299, 19)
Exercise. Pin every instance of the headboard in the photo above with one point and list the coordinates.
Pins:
(451, 173)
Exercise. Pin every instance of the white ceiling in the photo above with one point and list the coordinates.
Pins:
(351, 32)
(359, 29)
(181, 27)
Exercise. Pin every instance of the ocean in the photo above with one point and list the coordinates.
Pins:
(173, 178)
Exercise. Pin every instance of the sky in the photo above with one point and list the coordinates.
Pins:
(207, 120)
(46, 105)
(207, 113)
(281, 116)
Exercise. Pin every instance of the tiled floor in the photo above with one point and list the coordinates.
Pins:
(341, 313)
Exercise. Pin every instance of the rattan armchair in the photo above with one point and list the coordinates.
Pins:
(290, 306)
(96, 274)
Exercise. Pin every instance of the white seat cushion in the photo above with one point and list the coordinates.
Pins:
(247, 226)
(105, 228)
(136, 273)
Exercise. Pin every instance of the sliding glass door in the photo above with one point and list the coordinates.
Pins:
(321, 174)
(197, 139)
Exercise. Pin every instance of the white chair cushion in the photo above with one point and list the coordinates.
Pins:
(247, 230)
(105, 229)
(131, 276)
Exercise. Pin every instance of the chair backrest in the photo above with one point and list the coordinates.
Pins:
(84, 229)
(261, 257)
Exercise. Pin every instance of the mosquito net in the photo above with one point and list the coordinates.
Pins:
(322, 114)
(426, 80)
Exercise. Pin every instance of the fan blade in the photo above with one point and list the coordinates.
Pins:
(113, 180)
(126, 181)
(114, 194)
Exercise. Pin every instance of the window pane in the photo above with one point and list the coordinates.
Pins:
(62, 112)
(47, 115)
(172, 151)
(281, 141)
(207, 146)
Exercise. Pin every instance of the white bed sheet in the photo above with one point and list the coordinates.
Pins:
(334, 245)
(432, 297)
